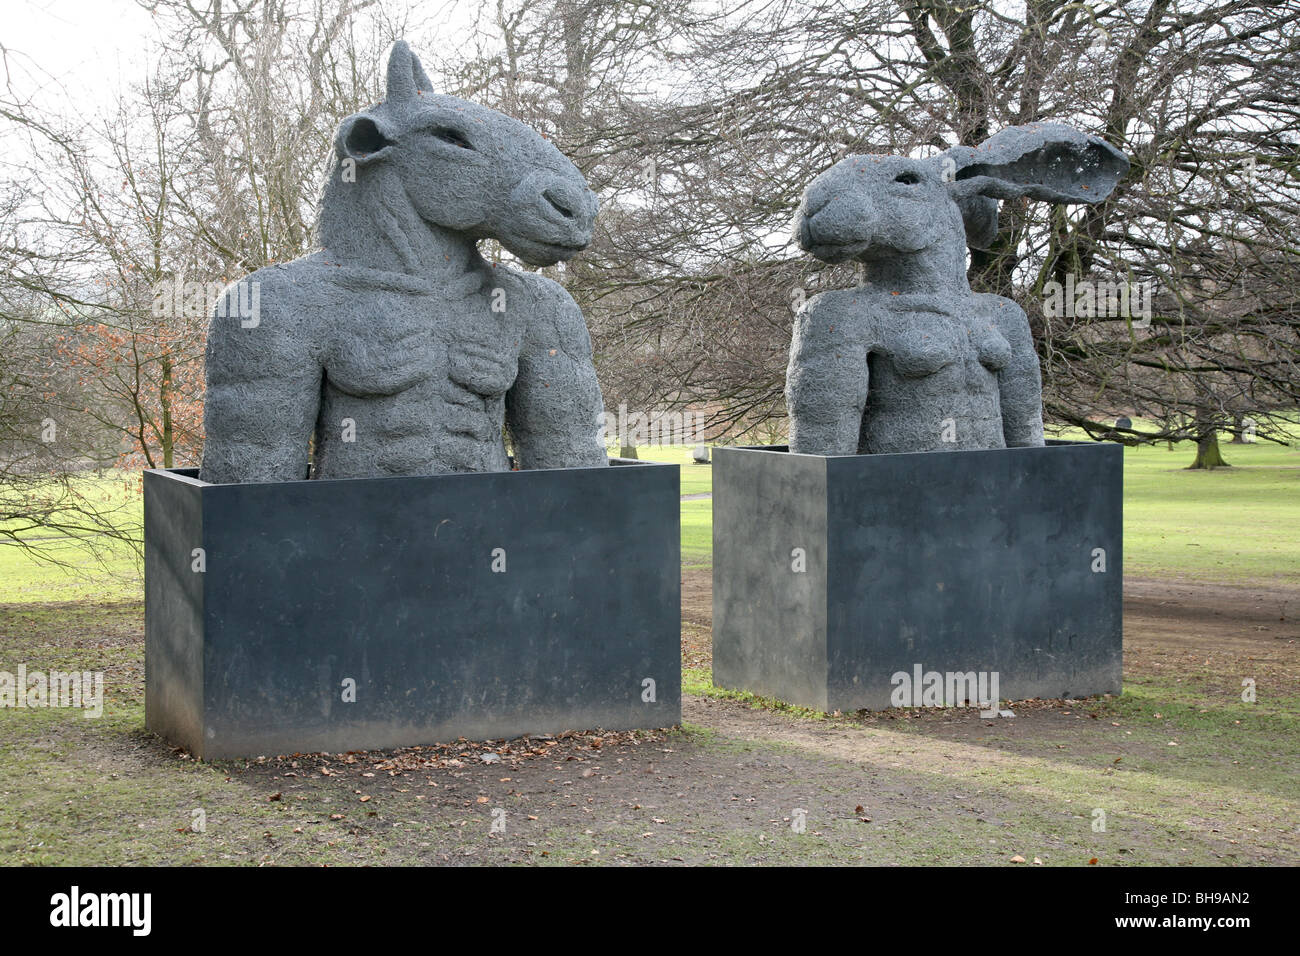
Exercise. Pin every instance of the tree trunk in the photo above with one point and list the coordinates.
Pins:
(627, 451)
(165, 400)
(1207, 450)
(1238, 438)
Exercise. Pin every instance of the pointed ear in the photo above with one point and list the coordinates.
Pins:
(406, 77)
(1045, 161)
(362, 139)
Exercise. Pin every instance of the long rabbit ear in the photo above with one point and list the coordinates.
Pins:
(406, 77)
(1046, 161)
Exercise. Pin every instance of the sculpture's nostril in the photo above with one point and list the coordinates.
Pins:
(559, 203)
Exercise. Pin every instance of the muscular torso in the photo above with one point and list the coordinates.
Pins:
(384, 373)
(414, 382)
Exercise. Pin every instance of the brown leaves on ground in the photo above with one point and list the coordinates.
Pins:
(455, 756)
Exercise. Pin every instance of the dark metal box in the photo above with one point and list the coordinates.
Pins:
(1004, 562)
(355, 614)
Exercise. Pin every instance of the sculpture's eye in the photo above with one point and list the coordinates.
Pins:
(453, 137)
(907, 179)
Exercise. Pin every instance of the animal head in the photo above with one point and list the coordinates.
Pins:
(469, 169)
(877, 207)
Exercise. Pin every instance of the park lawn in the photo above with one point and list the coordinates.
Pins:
(70, 571)
(1184, 771)
(1230, 525)
(114, 576)
(697, 534)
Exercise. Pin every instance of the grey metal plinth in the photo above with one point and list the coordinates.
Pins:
(360, 614)
(831, 575)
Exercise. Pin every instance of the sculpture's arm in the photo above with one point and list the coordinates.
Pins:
(1020, 383)
(553, 409)
(263, 394)
(826, 382)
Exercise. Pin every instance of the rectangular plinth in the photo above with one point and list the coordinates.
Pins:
(831, 575)
(359, 614)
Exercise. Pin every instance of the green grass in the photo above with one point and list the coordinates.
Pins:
(697, 534)
(69, 570)
(1187, 772)
(1231, 524)
(699, 681)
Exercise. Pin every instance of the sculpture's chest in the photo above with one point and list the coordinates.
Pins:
(387, 343)
(923, 341)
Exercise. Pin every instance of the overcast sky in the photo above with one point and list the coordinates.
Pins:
(74, 53)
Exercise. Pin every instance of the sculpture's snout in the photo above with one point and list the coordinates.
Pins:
(835, 225)
(567, 209)
(551, 217)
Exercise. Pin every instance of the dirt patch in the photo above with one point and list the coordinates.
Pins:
(1232, 631)
(697, 618)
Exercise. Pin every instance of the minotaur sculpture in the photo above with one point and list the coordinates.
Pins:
(397, 349)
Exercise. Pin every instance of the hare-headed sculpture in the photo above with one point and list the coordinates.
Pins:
(912, 360)
(397, 348)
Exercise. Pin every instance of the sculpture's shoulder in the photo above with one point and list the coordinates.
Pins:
(273, 309)
(283, 279)
(545, 298)
(284, 290)
(553, 318)
(844, 314)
